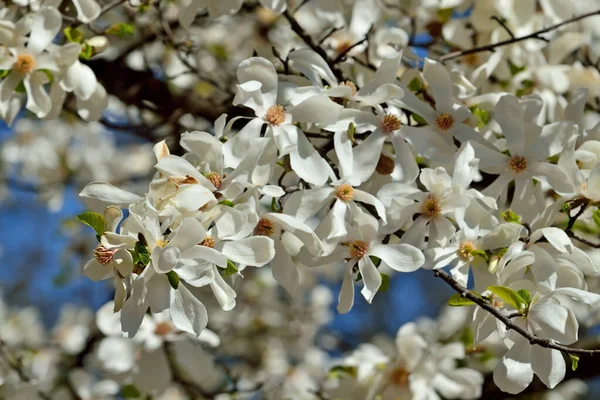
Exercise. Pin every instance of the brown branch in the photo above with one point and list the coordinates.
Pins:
(533, 339)
(534, 35)
(299, 30)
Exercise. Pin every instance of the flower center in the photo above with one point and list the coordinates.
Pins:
(215, 179)
(161, 242)
(275, 115)
(264, 227)
(385, 165)
(391, 123)
(351, 85)
(496, 302)
(103, 255)
(465, 250)
(359, 249)
(25, 63)
(344, 192)
(399, 376)
(517, 164)
(163, 329)
(208, 241)
(431, 207)
(444, 121)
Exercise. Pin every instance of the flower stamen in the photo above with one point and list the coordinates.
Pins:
(391, 123)
(25, 63)
(359, 249)
(444, 121)
(344, 192)
(208, 241)
(517, 164)
(103, 255)
(275, 115)
(431, 207)
(264, 227)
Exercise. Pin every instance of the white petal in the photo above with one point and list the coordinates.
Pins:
(346, 296)
(556, 321)
(92, 108)
(317, 109)
(284, 270)
(371, 278)
(510, 116)
(556, 237)
(165, 259)
(190, 233)
(308, 164)
(108, 193)
(440, 84)
(366, 156)
(256, 251)
(514, 372)
(38, 101)
(96, 271)
(400, 257)
(45, 26)
(87, 10)
(187, 312)
(305, 204)
(548, 365)
(224, 294)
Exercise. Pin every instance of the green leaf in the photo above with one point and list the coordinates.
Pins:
(73, 35)
(415, 85)
(467, 337)
(566, 208)
(514, 69)
(230, 270)
(351, 131)
(173, 279)
(480, 253)
(4, 73)
(574, 362)
(142, 252)
(87, 52)
(219, 51)
(444, 14)
(483, 117)
(130, 392)
(94, 220)
(456, 300)
(385, 282)
(508, 295)
(227, 203)
(343, 371)
(20, 88)
(596, 217)
(511, 216)
(525, 295)
(274, 205)
(419, 120)
(120, 30)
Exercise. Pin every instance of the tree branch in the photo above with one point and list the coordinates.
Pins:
(534, 35)
(533, 339)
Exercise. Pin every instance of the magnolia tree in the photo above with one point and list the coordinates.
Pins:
(297, 143)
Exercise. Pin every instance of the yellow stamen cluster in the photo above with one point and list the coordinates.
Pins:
(275, 115)
(431, 207)
(517, 164)
(465, 249)
(344, 192)
(359, 249)
(161, 243)
(208, 241)
(264, 227)
(25, 63)
(391, 123)
(444, 121)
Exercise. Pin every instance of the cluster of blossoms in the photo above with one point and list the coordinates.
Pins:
(349, 158)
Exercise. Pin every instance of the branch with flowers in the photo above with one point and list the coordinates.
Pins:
(278, 146)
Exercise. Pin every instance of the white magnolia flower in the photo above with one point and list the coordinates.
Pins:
(547, 318)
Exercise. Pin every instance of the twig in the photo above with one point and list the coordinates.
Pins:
(315, 47)
(533, 339)
(503, 24)
(343, 54)
(534, 35)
